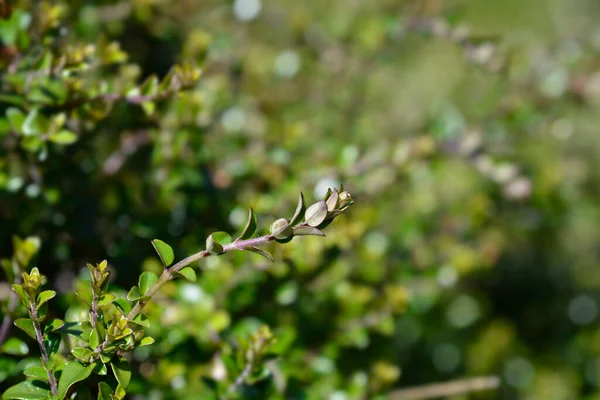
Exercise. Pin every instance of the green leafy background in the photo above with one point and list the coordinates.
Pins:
(466, 130)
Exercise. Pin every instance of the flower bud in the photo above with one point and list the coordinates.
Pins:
(281, 229)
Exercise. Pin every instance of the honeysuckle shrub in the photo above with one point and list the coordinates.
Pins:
(466, 128)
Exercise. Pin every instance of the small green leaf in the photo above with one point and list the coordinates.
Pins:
(54, 325)
(15, 347)
(16, 118)
(307, 230)
(122, 371)
(106, 299)
(18, 289)
(142, 320)
(105, 358)
(36, 372)
(104, 391)
(134, 294)
(300, 209)
(82, 353)
(52, 342)
(165, 252)
(63, 137)
(316, 213)
(188, 273)
(27, 390)
(94, 340)
(72, 373)
(147, 279)
(147, 340)
(251, 225)
(123, 304)
(260, 251)
(100, 368)
(44, 297)
(26, 325)
(35, 123)
(222, 238)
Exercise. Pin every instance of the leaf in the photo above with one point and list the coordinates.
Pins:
(122, 371)
(165, 252)
(104, 391)
(100, 368)
(260, 251)
(147, 279)
(134, 294)
(188, 273)
(35, 123)
(16, 118)
(106, 299)
(142, 320)
(27, 390)
(316, 213)
(18, 289)
(82, 353)
(15, 347)
(36, 372)
(222, 238)
(26, 325)
(44, 297)
(94, 340)
(146, 341)
(73, 372)
(300, 209)
(54, 325)
(307, 230)
(123, 305)
(251, 225)
(63, 137)
(332, 201)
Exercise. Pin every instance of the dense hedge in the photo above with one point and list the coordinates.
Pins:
(466, 130)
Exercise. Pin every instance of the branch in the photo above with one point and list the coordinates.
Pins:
(40, 339)
(445, 389)
(168, 273)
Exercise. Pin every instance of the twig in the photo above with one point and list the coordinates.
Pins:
(168, 272)
(40, 340)
(445, 389)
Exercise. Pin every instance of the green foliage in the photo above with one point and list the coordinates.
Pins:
(466, 128)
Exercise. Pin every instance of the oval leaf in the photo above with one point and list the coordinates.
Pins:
(26, 325)
(188, 273)
(307, 230)
(73, 372)
(36, 372)
(63, 137)
(300, 210)
(147, 279)
(260, 251)
(165, 252)
(251, 225)
(44, 297)
(54, 325)
(316, 213)
(104, 391)
(106, 299)
(27, 390)
(134, 294)
(122, 371)
(15, 347)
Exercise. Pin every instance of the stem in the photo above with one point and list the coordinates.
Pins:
(168, 272)
(94, 310)
(40, 340)
(446, 389)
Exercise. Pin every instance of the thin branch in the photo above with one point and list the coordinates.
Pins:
(168, 272)
(445, 389)
(40, 339)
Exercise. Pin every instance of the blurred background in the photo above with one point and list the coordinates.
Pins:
(466, 130)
